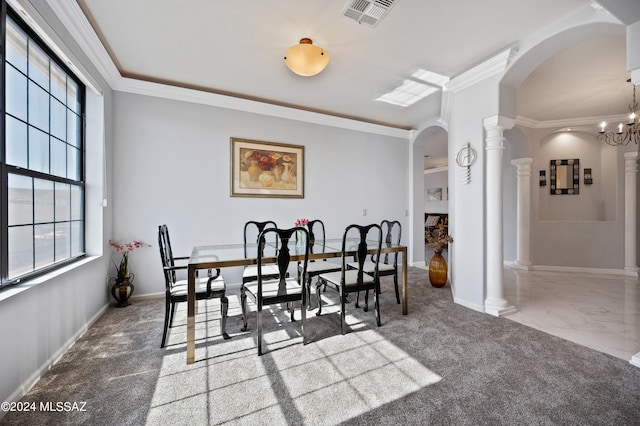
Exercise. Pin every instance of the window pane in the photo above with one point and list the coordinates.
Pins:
(77, 238)
(38, 107)
(58, 158)
(16, 143)
(38, 151)
(58, 119)
(63, 202)
(20, 250)
(77, 203)
(73, 129)
(20, 200)
(43, 201)
(73, 96)
(58, 83)
(73, 163)
(44, 244)
(63, 242)
(16, 88)
(38, 65)
(16, 46)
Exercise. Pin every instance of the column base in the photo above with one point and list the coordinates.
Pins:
(632, 271)
(498, 308)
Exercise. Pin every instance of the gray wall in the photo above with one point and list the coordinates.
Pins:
(172, 165)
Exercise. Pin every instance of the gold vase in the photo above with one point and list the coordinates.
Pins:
(438, 270)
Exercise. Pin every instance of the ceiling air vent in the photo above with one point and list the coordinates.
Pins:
(368, 12)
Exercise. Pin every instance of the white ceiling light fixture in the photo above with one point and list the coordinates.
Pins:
(630, 131)
(368, 12)
(306, 59)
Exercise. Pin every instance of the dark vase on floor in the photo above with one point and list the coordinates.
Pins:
(122, 290)
(438, 270)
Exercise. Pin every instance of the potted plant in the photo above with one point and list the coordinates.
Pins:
(122, 287)
(438, 238)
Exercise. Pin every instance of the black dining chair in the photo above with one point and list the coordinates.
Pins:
(352, 280)
(267, 290)
(388, 265)
(317, 244)
(212, 286)
(252, 230)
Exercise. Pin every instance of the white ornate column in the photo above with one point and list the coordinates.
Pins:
(630, 213)
(495, 303)
(523, 234)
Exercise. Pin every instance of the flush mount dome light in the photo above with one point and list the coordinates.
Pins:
(305, 59)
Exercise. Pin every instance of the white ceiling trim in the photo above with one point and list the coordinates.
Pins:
(486, 69)
(74, 20)
(147, 88)
(571, 122)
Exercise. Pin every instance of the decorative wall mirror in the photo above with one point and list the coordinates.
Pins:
(565, 177)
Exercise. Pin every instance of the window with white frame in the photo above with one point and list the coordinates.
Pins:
(42, 158)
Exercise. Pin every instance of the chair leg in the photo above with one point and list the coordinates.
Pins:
(357, 300)
(243, 304)
(166, 324)
(395, 282)
(173, 311)
(304, 318)
(224, 308)
(366, 301)
(308, 290)
(292, 310)
(376, 296)
(259, 315)
(343, 323)
(318, 285)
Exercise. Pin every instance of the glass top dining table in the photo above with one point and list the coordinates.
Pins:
(233, 255)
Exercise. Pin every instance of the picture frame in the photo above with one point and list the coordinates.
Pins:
(266, 169)
(434, 194)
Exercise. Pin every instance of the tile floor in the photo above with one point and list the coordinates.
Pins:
(599, 311)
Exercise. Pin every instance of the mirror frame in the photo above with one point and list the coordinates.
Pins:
(553, 164)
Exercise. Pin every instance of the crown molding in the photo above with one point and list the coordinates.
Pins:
(72, 17)
(488, 68)
(570, 122)
(165, 91)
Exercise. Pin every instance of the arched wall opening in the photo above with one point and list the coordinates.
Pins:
(577, 231)
(430, 179)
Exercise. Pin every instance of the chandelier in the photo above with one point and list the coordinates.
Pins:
(630, 131)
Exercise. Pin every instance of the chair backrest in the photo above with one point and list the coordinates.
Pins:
(316, 234)
(166, 255)
(366, 237)
(284, 237)
(392, 230)
(252, 230)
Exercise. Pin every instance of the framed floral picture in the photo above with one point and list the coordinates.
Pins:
(266, 169)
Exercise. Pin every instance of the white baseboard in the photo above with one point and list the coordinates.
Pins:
(468, 304)
(635, 360)
(578, 269)
(421, 265)
(53, 359)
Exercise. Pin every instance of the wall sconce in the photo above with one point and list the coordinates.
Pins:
(306, 59)
(543, 178)
(588, 180)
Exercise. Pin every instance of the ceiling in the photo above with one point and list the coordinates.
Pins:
(238, 50)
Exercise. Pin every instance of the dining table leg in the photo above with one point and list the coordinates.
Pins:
(405, 274)
(191, 315)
